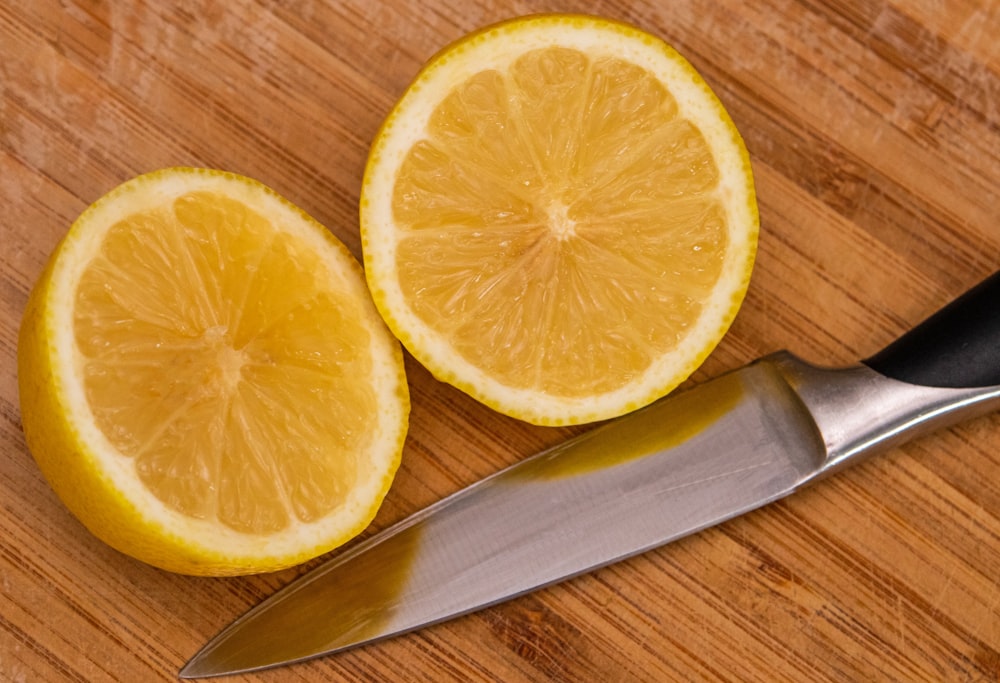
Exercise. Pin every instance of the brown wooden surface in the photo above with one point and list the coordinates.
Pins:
(874, 131)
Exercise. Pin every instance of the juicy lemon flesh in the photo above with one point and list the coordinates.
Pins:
(215, 361)
(560, 224)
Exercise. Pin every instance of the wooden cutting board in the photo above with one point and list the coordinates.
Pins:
(874, 132)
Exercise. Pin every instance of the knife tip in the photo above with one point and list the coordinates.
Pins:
(194, 669)
(202, 666)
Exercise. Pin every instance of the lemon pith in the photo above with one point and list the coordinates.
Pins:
(204, 380)
(558, 217)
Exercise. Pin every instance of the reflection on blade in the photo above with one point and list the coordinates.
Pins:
(673, 468)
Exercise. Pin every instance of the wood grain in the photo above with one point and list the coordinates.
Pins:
(874, 132)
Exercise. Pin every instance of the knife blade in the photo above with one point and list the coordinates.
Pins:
(680, 465)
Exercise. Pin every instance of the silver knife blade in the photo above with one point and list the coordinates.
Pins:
(685, 463)
(678, 466)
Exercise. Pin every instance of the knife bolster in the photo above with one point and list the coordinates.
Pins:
(859, 412)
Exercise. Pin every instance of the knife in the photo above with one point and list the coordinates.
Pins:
(682, 464)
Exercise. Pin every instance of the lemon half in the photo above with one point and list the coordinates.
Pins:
(204, 378)
(558, 217)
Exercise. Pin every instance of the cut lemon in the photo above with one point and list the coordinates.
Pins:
(205, 381)
(558, 217)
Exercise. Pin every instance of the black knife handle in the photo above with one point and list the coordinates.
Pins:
(959, 346)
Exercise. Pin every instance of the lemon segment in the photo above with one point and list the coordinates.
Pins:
(205, 380)
(558, 217)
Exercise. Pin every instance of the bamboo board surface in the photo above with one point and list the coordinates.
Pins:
(874, 133)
